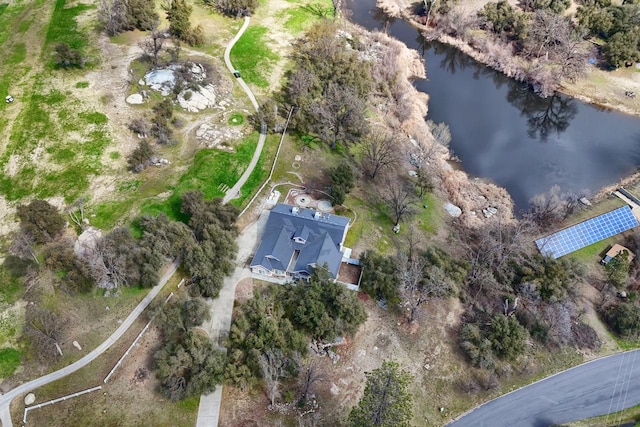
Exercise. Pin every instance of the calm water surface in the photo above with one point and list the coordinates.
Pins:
(504, 132)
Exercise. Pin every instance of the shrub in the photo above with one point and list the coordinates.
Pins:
(624, 319)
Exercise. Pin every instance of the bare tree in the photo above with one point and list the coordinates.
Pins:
(379, 151)
(411, 271)
(340, 115)
(549, 209)
(398, 196)
(22, 246)
(76, 211)
(492, 247)
(152, 45)
(310, 375)
(44, 329)
(113, 15)
(436, 283)
(273, 365)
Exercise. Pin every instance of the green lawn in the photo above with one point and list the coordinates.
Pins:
(9, 361)
(212, 172)
(261, 172)
(301, 18)
(63, 27)
(252, 57)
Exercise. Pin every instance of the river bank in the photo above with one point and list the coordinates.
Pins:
(602, 88)
(403, 65)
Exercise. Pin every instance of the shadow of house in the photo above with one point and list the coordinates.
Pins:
(297, 240)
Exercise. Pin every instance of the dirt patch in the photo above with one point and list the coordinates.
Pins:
(422, 349)
(349, 273)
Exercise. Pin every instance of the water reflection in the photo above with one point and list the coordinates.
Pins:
(382, 18)
(544, 115)
(496, 122)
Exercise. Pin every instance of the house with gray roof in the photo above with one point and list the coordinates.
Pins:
(297, 240)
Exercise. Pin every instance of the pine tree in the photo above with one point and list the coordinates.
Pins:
(178, 16)
(386, 400)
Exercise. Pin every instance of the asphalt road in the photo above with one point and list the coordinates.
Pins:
(595, 388)
(234, 192)
(5, 400)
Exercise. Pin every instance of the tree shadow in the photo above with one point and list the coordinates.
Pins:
(544, 115)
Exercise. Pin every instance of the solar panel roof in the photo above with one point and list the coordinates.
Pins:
(587, 232)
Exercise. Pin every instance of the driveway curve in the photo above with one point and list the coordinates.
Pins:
(5, 400)
(599, 387)
(234, 192)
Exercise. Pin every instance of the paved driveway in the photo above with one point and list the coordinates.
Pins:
(222, 310)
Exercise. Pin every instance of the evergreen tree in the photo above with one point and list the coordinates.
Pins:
(178, 13)
(386, 400)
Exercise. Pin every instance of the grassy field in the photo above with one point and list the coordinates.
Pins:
(50, 125)
(63, 28)
(212, 172)
(301, 17)
(9, 361)
(252, 56)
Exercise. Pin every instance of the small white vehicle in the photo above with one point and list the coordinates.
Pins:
(9, 99)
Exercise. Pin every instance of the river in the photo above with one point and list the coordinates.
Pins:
(503, 132)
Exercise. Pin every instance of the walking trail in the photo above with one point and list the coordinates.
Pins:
(5, 399)
(221, 308)
(234, 192)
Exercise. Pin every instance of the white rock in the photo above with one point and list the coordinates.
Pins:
(76, 344)
(162, 80)
(87, 242)
(136, 98)
(141, 82)
(452, 210)
(29, 399)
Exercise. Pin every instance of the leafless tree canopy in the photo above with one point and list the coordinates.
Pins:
(152, 45)
(44, 329)
(411, 271)
(547, 210)
(379, 151)
(340, 115)
(273, 365)
(398, 196)
(22, 246)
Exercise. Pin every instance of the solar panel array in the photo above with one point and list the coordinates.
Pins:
(587, 232)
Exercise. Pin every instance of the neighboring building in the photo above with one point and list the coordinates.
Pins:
(296, 240)
(615, 250)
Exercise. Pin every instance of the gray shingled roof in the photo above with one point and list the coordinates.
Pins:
(322, 233)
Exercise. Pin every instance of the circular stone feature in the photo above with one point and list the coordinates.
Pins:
(295, 165)
(324, 206)
(29, 399)
(303, 200)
